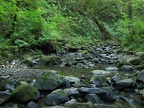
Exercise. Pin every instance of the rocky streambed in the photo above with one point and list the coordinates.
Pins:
(96, 77)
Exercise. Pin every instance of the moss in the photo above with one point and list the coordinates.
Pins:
(121, 63)
(140, 67)
(53, 59)
(24, 93)
(135, 61)
(60, 92)
(28, 61)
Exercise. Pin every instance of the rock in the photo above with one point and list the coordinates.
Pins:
(140, 67)
(121, 63)
(100, 92)
(101, 72)
(140, 77)
(97, 81)
(139, 53)
(66, 84)
(110, 97)
(72, 101)
(93, 98)
(22, 94)
(127, 68)
(28, 61)
(135, 61)
(115, 78)
(125, 84)
(113, 69)
(72, 92)
(4, 93)
(87, 105)
(48, 80)
(56, 97)
(10, 87)
(32, 105)
(4, 80)
(72, 79)
(130, 102)
(50, 60)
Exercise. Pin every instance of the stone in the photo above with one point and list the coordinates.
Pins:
(115, 78)
(97, 81)
(72, 101)
(140, 67)
(127, 68)
(50, 60)
(32, 105)
(22, 94)
(139, 53)
(100, 92)
(124, 84)
(72, 92)
(110, 97)
(72, 79)
(100, 72)
(113, 69)
(140, 77)
(48, 80)
(93, 98)
(10, 87)
(135, 61)
(56, 97)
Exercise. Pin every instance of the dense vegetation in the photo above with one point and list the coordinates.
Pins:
(51, 24)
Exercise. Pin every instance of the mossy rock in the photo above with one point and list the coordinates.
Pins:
(22, 94)
(28, 61)
(140, 67)
(135, 61)
(49, 80)
(86, 105)
(121, 63)
(58, 96)
(50, 60)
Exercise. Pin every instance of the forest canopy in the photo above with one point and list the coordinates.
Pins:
(38, 23)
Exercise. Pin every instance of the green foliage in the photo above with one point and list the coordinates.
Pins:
(37, 23)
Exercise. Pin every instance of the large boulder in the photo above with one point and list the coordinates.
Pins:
(22, 94)
(48, 80)
(56, 97)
